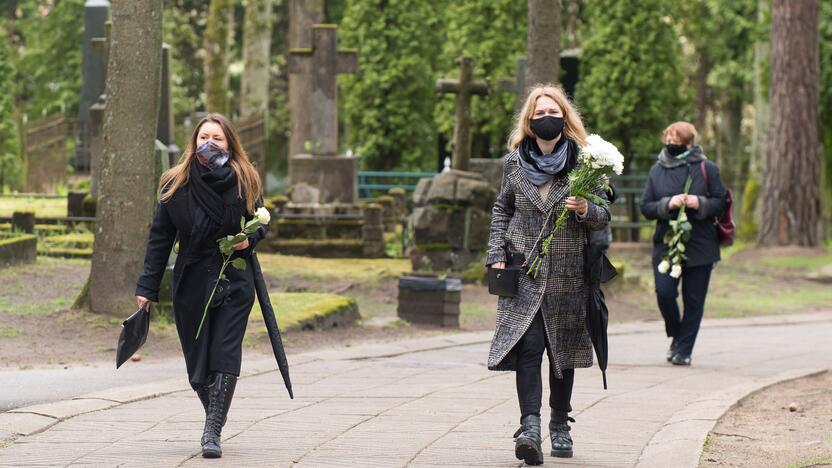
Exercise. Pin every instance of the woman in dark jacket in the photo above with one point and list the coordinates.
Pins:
(202, 199)
(663, 196)
(547, 315)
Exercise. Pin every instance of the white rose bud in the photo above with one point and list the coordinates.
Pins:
(664, 266)
(263, 215)
(676, 271)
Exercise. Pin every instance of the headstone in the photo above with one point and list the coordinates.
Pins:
(93, 75)
(335, 177)
(44, 149)
(372, 231)
(429, 300)
(464, 88)
(252, 131)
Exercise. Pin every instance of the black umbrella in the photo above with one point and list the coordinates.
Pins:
(271, 323)
(598, 269)
(133, 335)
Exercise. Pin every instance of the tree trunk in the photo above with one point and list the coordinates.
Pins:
(302, 15)
(127, 184)
(257, 38)
(543, 42)
(217, 44)
(791, 188)
(703, 93)
(758, 137)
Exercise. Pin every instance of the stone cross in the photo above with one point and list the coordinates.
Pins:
(517, 86)
(321, 64)
(464, 88)
(93, 74)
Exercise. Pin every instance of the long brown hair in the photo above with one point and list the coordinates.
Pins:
(248, 180)
(573, 128)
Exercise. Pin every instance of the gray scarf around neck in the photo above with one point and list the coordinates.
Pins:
(692, 155)
(540, 168)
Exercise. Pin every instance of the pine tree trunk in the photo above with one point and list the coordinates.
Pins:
(127, 166)
(791, 188)
(257, 38)
(217, 45)
(543, 42)
(302, 15)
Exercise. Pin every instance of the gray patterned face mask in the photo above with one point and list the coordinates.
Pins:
(211, 156)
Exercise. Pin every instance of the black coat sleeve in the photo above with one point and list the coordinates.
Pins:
(159, 243)
(714, 204)
(653, 207)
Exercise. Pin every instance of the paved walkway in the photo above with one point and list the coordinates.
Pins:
(428, 402)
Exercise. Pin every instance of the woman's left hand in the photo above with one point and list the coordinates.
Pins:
(692, 202)
(241, 246)
(577, 204)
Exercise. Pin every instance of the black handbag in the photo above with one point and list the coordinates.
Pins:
(505, 281)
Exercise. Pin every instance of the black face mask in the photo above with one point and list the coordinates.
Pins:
(548, 127)
(675, 150)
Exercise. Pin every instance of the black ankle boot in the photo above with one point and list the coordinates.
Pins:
(527, 441)
(220, 393)
(559, 432)
(672, 350)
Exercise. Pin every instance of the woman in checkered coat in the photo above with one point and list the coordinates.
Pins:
(548, 311)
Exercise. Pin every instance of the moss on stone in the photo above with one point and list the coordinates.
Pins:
(293, 310)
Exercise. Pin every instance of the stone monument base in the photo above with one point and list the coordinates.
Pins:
(323, 179)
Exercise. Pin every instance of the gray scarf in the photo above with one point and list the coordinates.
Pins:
(692, 155)
(540, 168)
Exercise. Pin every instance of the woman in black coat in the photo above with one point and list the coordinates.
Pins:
(663, 196)
(202, 199)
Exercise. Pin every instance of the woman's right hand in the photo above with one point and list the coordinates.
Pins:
(498, 265)
(677, 201)
(143, 302)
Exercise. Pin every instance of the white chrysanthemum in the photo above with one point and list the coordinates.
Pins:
(664, 266)
(263, 215)
(599, 154)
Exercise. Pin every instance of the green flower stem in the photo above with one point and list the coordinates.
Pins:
(208, 304)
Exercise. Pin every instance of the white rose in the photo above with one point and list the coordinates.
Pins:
(664, 266)
(676, 271)
(263, 215)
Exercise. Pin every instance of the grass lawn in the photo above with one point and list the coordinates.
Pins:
(42, 207)
(748, 281)
(356, 269)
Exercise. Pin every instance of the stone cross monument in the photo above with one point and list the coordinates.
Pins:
(321, 176)
(464, 88)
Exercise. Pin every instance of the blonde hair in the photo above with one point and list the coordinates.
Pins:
(685, 132)
(573, 128)
(248, 180)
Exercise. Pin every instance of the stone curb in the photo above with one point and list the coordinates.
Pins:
(681, 440)
(30, 420)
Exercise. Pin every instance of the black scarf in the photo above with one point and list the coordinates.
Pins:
(692, 156)
(214, 203)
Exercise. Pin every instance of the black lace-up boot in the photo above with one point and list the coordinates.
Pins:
(220, 393)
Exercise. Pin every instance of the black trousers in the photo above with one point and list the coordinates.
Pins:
(683, 327)
(530, 351)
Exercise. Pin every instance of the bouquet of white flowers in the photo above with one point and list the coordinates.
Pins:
(599, 158)
(226, 245)
(675, 238)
